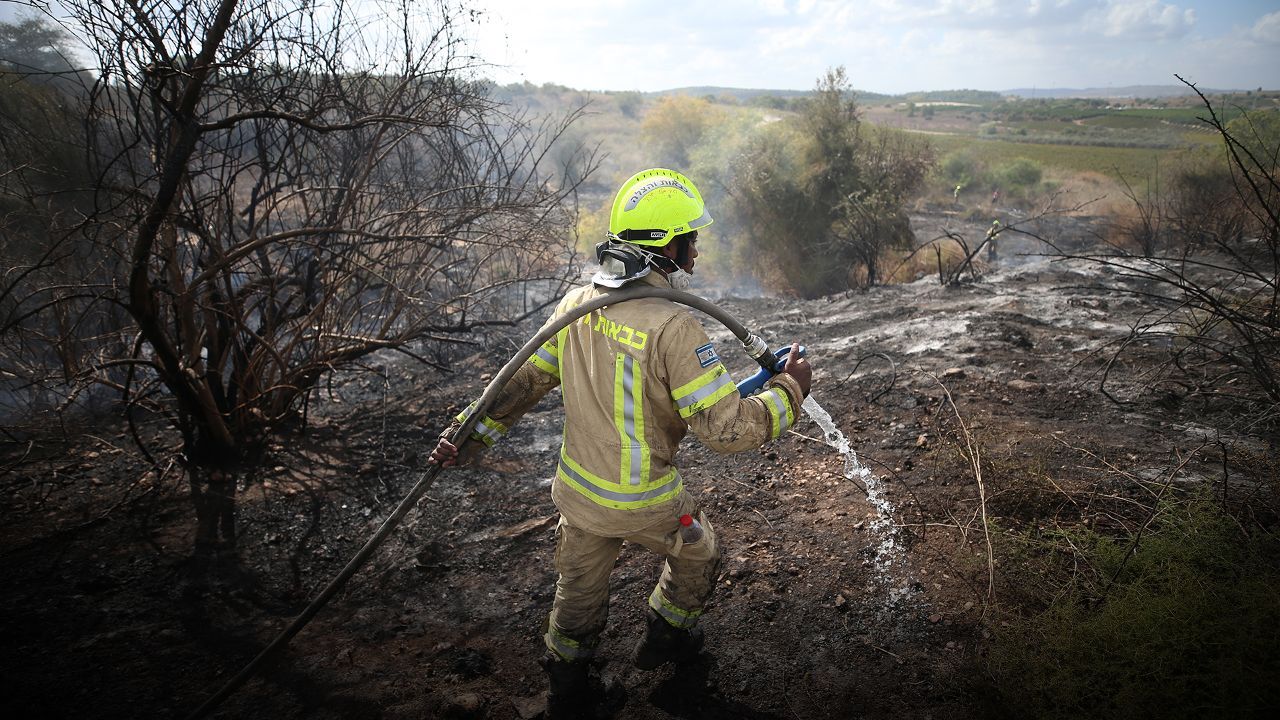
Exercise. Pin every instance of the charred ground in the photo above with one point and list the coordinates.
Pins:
(107, 614)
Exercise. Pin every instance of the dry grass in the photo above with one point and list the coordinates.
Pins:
(924, 262)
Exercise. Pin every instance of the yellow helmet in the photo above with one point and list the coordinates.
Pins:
(654, 206)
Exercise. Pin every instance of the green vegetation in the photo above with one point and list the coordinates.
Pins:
(1114, 161)
(1259, 134)
(1186, 116)
(1102, 131)
(1179, 623)
(1069, 110)
(795, 185)
(1020, 173)
(676, 124)
(1078, 150)
(1134, 139)
(31, 46)
(977, 97)
(609, 125)
(1175, 612)
(1081, 121)
(1028, 149)
(823, 199)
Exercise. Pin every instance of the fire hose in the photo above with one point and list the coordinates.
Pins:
(770, 363)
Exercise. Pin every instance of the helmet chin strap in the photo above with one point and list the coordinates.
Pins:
(664, 263)
(675, 269)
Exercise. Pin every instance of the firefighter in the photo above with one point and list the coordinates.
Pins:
(635, 378)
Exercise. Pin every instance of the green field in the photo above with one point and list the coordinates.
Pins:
(1185, 116)
(1127, 121)
(1130, 162)
(1061, 136)
(1044, 126)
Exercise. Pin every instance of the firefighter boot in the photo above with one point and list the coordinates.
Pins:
(664, 642)
(569, 695)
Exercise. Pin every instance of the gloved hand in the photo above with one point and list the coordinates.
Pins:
(446, 454)
(799, 368)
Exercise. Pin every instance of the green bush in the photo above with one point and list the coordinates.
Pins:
(1259, 133)
(822, 186)
(1021, 173)
(959, 167)
(1190, 628)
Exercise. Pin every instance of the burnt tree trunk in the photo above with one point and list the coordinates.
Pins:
(213, 492)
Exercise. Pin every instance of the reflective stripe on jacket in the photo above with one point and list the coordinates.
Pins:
(636, 377)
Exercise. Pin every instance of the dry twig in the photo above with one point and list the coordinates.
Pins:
(973, 454)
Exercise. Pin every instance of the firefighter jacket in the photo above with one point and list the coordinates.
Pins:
(636, 377)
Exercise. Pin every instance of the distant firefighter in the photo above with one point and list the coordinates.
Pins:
(992, 232)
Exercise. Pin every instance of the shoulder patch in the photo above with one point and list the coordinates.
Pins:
(707, 355)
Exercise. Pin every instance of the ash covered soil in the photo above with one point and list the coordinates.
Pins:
(842, 594)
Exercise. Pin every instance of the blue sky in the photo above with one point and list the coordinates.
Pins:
(885, 45)
(888, 46)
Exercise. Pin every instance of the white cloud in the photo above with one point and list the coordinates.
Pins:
(1267, 29)
(886, 45)
(1012, 15)
(1146, 19)
(773, 7)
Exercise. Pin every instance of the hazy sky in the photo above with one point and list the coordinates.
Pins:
(888, 46)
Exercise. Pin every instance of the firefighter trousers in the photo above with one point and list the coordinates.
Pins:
(585, 561)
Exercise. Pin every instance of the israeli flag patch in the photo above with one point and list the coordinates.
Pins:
(707, 355)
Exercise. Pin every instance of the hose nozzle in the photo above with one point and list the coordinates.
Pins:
(758, 349)
(771, 364)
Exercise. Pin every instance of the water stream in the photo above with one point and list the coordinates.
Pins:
(889, 568)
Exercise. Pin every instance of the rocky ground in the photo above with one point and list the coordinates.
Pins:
(843, 593)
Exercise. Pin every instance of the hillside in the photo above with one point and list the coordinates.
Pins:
(1122, 92)
(1106, 93)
